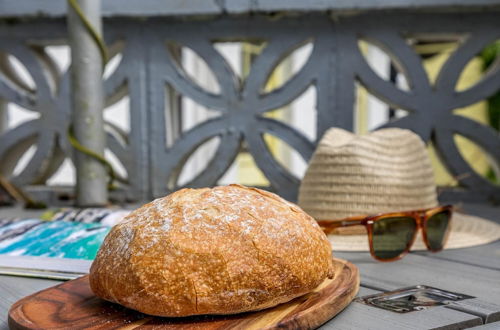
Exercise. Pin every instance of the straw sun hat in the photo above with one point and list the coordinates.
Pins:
(388, 170)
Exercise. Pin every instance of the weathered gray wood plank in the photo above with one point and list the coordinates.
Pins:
(414, 269)
(443, 270)
(14, 288)
(355, 316)
(488, 312)
(487, 256)
(372, 318)
(490, 326)
(359, 316)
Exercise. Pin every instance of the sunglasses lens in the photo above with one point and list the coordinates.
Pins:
(436, 228)
(391, 236)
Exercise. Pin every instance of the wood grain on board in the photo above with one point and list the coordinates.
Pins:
(72, 304)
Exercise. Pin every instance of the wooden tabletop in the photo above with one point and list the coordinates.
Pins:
(472, 271)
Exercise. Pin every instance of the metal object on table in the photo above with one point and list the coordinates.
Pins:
(410, 299)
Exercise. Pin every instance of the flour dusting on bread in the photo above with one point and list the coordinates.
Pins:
(223, 250)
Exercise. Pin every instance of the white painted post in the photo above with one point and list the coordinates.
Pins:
(87, 103)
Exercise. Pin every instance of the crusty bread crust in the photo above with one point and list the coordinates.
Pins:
(224, 250)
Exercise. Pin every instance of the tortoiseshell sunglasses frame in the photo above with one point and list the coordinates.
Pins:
(421, 217)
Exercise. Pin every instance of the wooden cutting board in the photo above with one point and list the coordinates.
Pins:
(72, 305)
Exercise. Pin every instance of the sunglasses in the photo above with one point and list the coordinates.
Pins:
(391, 235)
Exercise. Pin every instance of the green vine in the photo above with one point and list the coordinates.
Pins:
(109, 168)
(93, 33)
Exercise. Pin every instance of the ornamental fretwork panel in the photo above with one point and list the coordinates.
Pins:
(152, 77)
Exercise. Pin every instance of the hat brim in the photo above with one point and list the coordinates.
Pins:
(466, 231)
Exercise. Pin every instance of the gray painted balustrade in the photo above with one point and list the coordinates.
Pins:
(150, 73)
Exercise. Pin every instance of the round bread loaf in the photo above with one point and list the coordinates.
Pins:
(224, 250)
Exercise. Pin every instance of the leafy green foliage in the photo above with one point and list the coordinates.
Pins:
(489, 56)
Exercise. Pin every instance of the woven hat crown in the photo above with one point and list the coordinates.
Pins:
(385, 171)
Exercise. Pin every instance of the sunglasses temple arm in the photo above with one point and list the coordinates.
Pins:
(329, 226)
